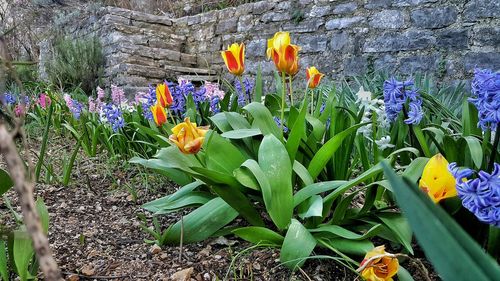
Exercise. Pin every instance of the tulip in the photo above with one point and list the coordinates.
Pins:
(378, 265)
(188, 137)
(159, 114)
(234, 58)
(436, 180)
(285, 55)
(313, 77)
(163, 95)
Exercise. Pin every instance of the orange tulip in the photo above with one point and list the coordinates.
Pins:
(285, 55)
(379, 265)
(234, 58)
(188, 137)
(163, 95)
(313, 77)
(159, 114)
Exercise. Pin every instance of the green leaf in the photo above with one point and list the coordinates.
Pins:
(236, 199)
(263, 119)
(315, 188)
(5, 182)
(475, 149)
(298, 131)
(302, 172)
(241, 133)
(404, 275)
(203, 222)
(353, 247)
(191, 199)
(441, 238)
(326, 152)
(297, 246)
(275, 163)
(345, 233)
(222, 155)
(257, 234)
(399, 227)
(155, 205)
(312, 207)
(22, 250)
(258, 85)
(246, 178)
(4, 269)
(44, 214)
(162, 168)
(220, 122)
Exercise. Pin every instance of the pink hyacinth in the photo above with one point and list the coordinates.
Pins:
(19, 110)
(69, 101)
(100, 94)
(117, 95)
(92, 105)
(213, 90)
(44, 100)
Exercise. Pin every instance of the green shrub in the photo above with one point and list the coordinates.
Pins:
(76, 63)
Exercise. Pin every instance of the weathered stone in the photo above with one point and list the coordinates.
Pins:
(455, 39)
(481, 60)
(319, 11)
(414, 64)
(409, 40)
(476, 9)
(193, 20)
(487, 36)
(342, 22)
(355, 66)
(262, 7)
(388, 19)
(385, 63)
(345, 8)
(376, 4)
(245, 23)
(256, 48)
(310, 25)
(227, 26)
(434, 17)
(312, 43)
(283, 6)
(406, 3)
(339, 41)
(273, 16)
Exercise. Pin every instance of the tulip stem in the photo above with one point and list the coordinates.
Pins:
(283, 97)
(171, 116)
(291, 91)
(243, 88)
(494, 149)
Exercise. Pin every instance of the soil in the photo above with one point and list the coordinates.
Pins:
(95, 233)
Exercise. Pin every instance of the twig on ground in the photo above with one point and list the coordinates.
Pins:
(105, 276)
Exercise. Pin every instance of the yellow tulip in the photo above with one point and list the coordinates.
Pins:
(234, 58)
(188, 137)
(163, 95)
(436, 180)
(313, 77)
(285, 55)
(159, 114)
(382, 268)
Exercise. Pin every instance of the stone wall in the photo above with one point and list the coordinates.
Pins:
(446, 38)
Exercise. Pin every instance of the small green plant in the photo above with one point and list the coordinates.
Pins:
(76, 63)
(159, 234)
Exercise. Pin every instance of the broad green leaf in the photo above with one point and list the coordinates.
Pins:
(298, 131)
(236, 199)
(414, 171)
(297, 246)
(302, 172)
(318, 128)
(345, 233)
(161, 168)
(275, 163)
(155, 205)
(258, 85)
(263, 119)
(202, 222)
(399, 227)
(312, 207)
(326, 152)
(191, 199)
(257, 234)
(222, 155)
(246, 178)
(241, 133)
(441, 238)
(23, 252)
(43, 213)
(5, 182)
(237, 121)
(4, 269)
(220, 122)
(212, 177)
(315, 188)
(475, 149)
(347, 246)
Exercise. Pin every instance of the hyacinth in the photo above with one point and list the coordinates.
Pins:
(9, 99)
(384, 143)
(179, 93)
(277, 120)
(112, 115)
(214, 102)
(19, 110)
(242, 99)
(92, 105)
(118, 95)
(213, 90)
(44, 100)
(396, 94)
(486, 97)
(199, 96)
(76, 108)
(147, 100)
(376, 106)
(481, 195)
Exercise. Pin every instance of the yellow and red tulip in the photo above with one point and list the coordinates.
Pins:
(234, 58)
(159, 114)
(379, 265)
(188, 137)
(285, 55)
(313, 77)
(163, 95)
(436, 180)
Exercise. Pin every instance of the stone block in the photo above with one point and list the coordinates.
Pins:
(339, 41)
(262, 7)
(456, 39)
(388, 19)
(418, 64)
(343, 22)
(345, 8)
(256, 48)
(477, 9)
(434, 17)
(245, 23)
(409, 3)
(308, 25)
(377, 4)
(275, 16)
(395, 41)
(312, 43)
(487, 36)
(319, 11)
(227, 26)
(489, 60)
(355, 66)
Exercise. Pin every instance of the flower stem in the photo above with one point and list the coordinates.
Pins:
(171, 116)
(283, 97)
(243, 88)
(291, 90)
(494, 149)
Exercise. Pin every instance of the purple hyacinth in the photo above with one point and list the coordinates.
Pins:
(244, 97)
(76, 108)
(214, 102)
(481, 195)
(112, 115)
(199, 96)
(277, 120)
(486, 97)
(147, 100)
(178, 95)
(396, 94)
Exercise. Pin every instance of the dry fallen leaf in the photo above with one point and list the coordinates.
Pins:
(88, 270)
(183, 275)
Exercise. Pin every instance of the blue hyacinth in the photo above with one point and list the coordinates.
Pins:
(113, 116)
(481, 195)
(244, 97)
(277, 120)
(396, 94)
(179, 94)
(199, 96)
(9, 99)
(214, 102)
(76, 109)
(486, 97)
(150, 101)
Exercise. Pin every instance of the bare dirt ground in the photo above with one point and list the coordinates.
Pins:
(95, 234)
